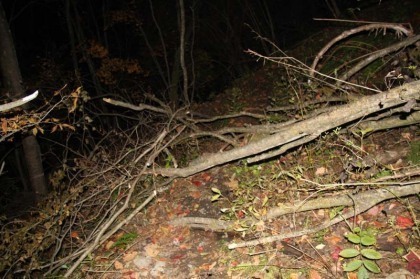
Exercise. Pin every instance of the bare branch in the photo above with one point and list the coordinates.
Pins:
(375, 55)
(398, 28)
(361, 203)
(134, 107)
(19, 102)
(307, 129)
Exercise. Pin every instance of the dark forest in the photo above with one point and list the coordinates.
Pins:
(222, 139)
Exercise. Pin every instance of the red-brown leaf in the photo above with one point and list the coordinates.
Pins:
(404, 222)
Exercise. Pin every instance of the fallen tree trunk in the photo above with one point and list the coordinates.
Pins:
(304, 131)
(361, 202)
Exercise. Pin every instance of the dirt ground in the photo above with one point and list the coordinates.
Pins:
(161, 250)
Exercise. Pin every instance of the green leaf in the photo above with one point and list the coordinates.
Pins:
(125, 239)
(215, 190)
(362, 273)
(353, 238)
(368, 240)
(371, 254)
(335, 211)
(168, 161)
(364, 132)
(242, 227)
(349, 253)
(215, 197)
(264, 201)
(371, 266)
(400, 251)
(352, 266)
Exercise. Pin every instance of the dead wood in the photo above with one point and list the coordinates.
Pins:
(112, 224)
(398, 28)
(298, 133)
(208, 119)
(140, 107)
(346, 199)
(360, 203)
(328, 99)
(376, 55)
(19, 102)
(389, 123)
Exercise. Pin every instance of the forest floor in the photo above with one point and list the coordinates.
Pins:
(340, 162)
(149, 247)
(159, 250)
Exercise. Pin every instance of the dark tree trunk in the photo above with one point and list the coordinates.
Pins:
(33, 161)
(12, 79)
(8, 64)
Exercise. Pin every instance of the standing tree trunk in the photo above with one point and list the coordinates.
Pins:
(12, 79)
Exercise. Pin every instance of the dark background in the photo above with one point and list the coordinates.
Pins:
(124, 49)
(222, 31)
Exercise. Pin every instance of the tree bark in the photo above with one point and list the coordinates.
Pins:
(8, 64)
(32, 154)
(12, 79)
(304, 131)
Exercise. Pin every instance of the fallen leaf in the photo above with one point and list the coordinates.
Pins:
(404, 222)
(152, 250)
(378, 224)
(118, 265)
(206, 177)
(109, 245)
(197, 183)
(260, 226)
(234, 263)
(313, 274)
(406, 136)
(178, 256)
(74, 234)
(129, 256)
(283, 159)
(374, 210)
(320, 213)
(119, 235)
(195, 194)
(205, 266)
(240, 214)
(335, 254)
(184, 246)
(233, 184)
(321, 171)
(212, 265)
(129, 274)
(333, 240)
(177, 240)
(392, 205)
(4, 125)
(413, 261)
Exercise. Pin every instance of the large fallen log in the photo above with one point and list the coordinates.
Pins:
(403, 98)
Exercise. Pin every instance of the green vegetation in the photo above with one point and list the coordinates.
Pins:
(363, 256)
(414, 155)
(125, 240)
